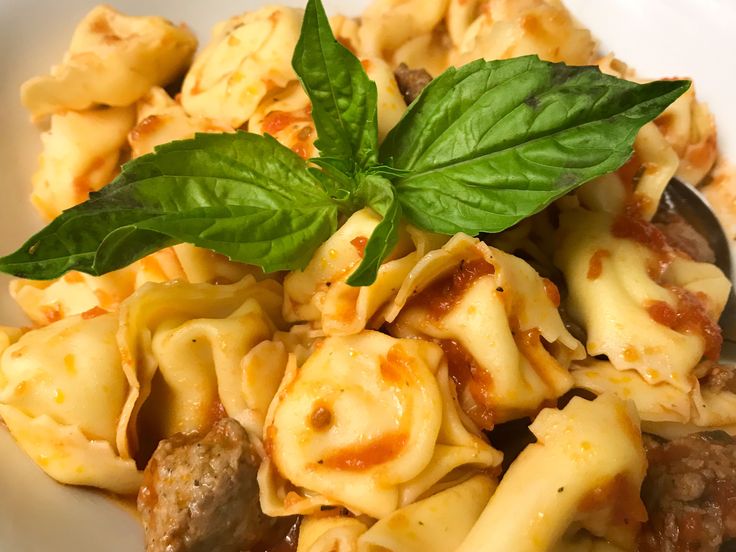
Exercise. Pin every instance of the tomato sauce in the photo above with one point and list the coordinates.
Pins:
(636, 229)
(359, 244)
(396, 366)
(363, 456)
(691, 317)
(552, 292)
(94, 312)
(276, 121)
(621, 496)
(595, 265)
(467, 374)
(441, 296)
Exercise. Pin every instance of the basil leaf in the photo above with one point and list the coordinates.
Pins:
(243, 195)
(344, 99)
(496, 141)
(381, 197)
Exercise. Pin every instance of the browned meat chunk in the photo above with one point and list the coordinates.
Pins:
(718, 377)
(411, 81)
(200, 493)
(690, 493)
(684, 237)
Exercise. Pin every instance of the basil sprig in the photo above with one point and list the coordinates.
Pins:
(483, 147)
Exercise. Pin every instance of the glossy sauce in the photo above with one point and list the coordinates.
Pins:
(690, 316)
(363, 456)
(359, 244)
(94, 312)
(630, 227)
(440, 297)
(467, 374)
(552, 292)
(595, 265)
(396, 366)
(276, 121)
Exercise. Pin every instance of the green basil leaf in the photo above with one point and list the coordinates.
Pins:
(344, 99)
(494, 142)
(381, 197)
(243, 195)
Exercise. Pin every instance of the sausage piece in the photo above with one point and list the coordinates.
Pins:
(200, 493)
(411, 81)
(690, 493)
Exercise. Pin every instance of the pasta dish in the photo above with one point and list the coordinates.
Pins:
(402, 282)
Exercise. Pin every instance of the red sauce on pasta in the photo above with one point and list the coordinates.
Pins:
(633, 228)
(552, 292)
(94, 312)
(468, 375)
(621, 496)
(359, 244)
(396, 365)
(690, 316)
(276, 121)
(363, 456)
(440, 297)
(595, 265)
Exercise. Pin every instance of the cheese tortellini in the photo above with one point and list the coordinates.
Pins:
(627, 296)
(113, 59)
(497, 322)
(181, 349)
(367, 422)
(320, 295)
(89, 395)
(249, 56)
(80, 155)
(160, 119)
(61, 396)
(591, 461)
(45, 301)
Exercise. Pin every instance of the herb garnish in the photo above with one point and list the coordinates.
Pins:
(483, 147)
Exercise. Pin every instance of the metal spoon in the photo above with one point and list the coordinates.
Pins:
(692, 206)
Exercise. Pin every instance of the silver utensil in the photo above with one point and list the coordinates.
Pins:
(692, 206)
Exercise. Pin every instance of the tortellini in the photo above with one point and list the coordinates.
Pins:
(641, 308)
(435, 524)
(249, 56)
(387, 24)
(62, 393)
(319, 294)
(113, 59)
(497, 322)
(584, 471)
(688, 125)
(161, 119)
(181, 349)
(330, 534)
(45, 301)
(80, 155)
(367, 422)
(638, 184)
(90, 395)
(286, 114)
(511, 28)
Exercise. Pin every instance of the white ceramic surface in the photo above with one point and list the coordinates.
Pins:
(659, 37)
